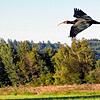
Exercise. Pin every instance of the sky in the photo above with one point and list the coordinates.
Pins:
(37, 19)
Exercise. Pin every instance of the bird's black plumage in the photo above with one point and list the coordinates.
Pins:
(81, 22)
(78, 13)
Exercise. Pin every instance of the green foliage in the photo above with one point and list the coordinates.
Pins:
(94, 76)
(26, 62)
(4, 80)
(7, 60)
(46, 79)
(97, 64)
(73, 63)
(36, 65)
(84, 56)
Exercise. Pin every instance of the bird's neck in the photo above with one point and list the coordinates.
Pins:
(70, 22)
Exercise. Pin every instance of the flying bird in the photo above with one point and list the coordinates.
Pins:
(82, 22)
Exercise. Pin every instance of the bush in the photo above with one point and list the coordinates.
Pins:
(94, 76)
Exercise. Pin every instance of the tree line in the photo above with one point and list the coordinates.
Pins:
(25, 62)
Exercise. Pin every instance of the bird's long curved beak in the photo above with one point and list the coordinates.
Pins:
(60, 23)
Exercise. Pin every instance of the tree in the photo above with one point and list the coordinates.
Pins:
(97, 64)
(21, 62)
(4, 79)
(61, 59)
(47, 75)
(36, 67)
(7, 60)
(85, 57)
(94, 75)
(72, 64)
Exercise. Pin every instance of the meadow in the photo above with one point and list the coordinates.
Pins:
(79, 92)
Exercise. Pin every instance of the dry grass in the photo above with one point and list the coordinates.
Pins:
(28, 90)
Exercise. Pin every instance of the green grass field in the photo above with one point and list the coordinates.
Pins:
(55, 96)
(60, 97)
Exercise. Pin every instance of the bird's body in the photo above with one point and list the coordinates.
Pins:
(82, 22)
(79, 26)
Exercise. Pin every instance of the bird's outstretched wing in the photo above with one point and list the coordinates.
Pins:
(75, 29)
(78, 13)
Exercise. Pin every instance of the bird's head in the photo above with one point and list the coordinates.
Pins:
(64, 22)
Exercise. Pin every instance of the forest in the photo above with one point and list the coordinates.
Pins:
(26, 62)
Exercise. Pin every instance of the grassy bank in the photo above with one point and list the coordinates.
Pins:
(52, 96)
(62, 92)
